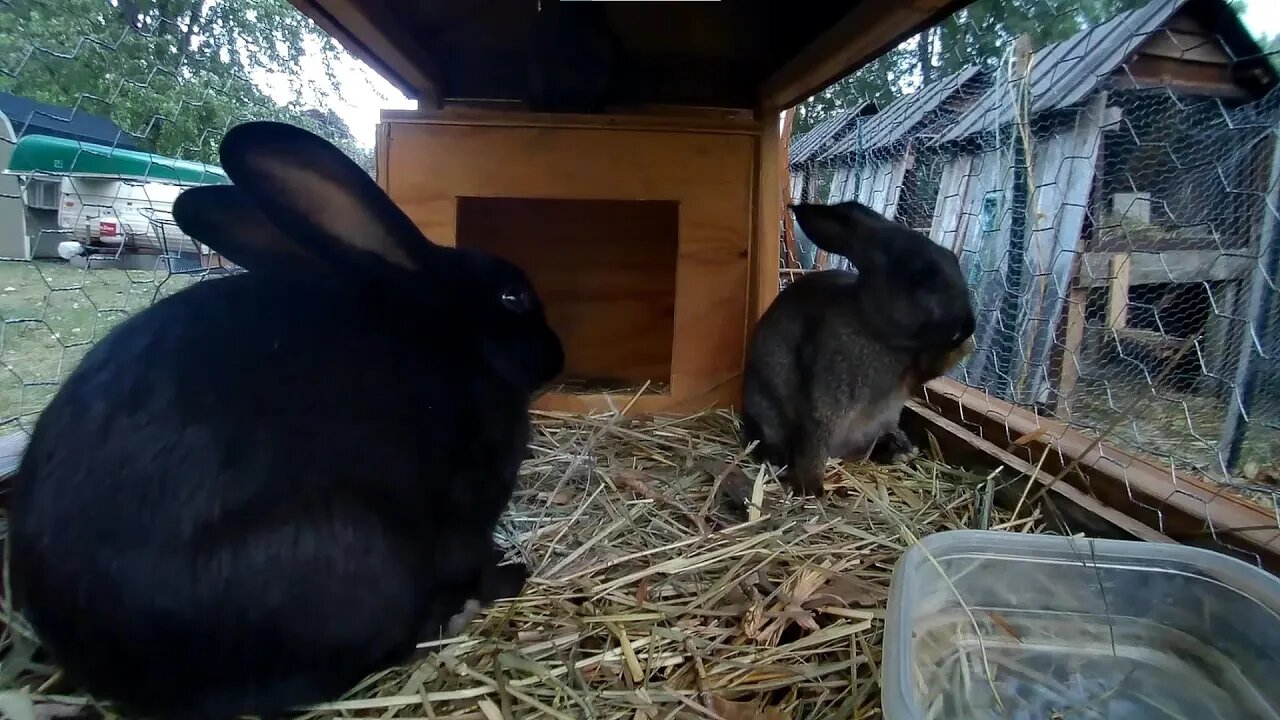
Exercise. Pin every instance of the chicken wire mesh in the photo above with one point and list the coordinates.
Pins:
(108, 110)
(1110, 194)
(1109, 176)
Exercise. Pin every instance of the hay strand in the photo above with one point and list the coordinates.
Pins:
(674, 579)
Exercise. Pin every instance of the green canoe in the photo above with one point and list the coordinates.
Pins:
(60, 156)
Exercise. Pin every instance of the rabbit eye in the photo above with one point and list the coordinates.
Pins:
(517, 300)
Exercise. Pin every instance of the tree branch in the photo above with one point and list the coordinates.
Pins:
(194, 21)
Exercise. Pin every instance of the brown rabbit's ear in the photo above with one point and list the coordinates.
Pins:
(843, 228)
(302, 181)
(227, 220)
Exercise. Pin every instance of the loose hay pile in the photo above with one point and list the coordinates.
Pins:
(676, 579)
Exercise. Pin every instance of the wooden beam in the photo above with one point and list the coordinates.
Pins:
(396, 59)
(771, 175)
(792, 255)
(960, 446)
(1181, 504)
(1073, 345)
(1192, 78)
(381, 147)
(685, 120)
(1161, 267)
(1118, 295)
(1258, 310)
(722, 394)
(1192, 47)
(869, 30)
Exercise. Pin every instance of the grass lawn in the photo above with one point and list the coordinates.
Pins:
(50, 314)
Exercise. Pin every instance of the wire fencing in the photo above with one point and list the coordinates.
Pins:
(1113, 195)
(108, 110)
(1106, 171)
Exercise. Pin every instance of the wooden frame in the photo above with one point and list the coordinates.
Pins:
(868, 30)
(1179, 504)
(369, 39)
(723, 171)
(413, 46)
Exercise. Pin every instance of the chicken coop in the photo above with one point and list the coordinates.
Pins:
(1111, 198)
(625, 155)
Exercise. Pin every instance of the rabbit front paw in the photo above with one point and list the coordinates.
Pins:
(893, 448)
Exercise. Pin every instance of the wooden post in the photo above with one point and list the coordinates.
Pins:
(792, 255)
(1219, 333)
(1011, 302)
(1073, 342)
(770, 179)
(1118, 292)
(1261, 300)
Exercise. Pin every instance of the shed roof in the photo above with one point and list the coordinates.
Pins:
(904, 116)
(1067, 73)
(563, 55)
(31, 117)
(826, 132)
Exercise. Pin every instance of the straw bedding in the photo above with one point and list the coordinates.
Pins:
(673, 579)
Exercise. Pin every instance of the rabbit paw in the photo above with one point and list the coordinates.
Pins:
(503, 581)
(459, 621)
(893, 448)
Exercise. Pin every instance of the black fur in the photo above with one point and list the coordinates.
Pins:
(832, 360)
(265, 487)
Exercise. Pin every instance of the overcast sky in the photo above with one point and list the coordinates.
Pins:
(365, 93)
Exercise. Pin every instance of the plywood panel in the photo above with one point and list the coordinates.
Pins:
(772, 176)
(605, 270)
(711, 175)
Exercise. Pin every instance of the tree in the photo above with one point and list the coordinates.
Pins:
(1271, 46)
(176, 74)
(977, 35)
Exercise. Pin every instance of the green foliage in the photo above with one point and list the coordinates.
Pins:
(1271, 46)
(174, 73)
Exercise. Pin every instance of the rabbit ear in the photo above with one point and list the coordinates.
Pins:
(306, 184)
(227, 220)
(843, 228)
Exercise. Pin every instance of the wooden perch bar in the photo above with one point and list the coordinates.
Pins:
(1178, 503)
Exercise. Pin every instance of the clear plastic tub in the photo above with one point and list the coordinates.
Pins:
(985, 624)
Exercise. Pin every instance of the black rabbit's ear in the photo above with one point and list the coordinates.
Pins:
(227, 220)
(309, 186)
(840, 228)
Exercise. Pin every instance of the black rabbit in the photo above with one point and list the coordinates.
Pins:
(836, 355)
(284, 479)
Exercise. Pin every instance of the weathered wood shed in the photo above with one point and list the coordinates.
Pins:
(872, 156)
(804, 151)
(1131, 146)
(877, 165)
(626, 155)
(809, 179)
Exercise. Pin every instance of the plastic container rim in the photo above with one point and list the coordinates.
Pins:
(896, 700)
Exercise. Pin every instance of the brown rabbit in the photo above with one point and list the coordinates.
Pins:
(834, 358)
